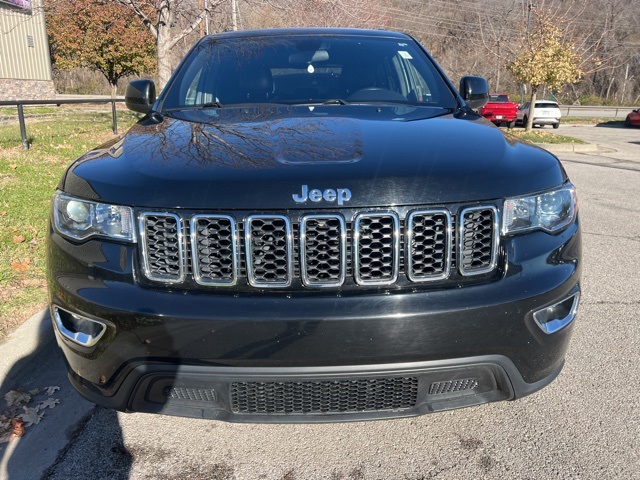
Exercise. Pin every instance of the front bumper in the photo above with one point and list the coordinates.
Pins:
(163, 350)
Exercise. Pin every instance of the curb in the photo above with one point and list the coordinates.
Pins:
(571, 147)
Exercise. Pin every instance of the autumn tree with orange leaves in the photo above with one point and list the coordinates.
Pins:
(103, 36)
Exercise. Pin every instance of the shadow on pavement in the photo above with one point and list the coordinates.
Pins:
(44, 449)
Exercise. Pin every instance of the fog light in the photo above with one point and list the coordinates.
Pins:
(557, 316)
(81, 330)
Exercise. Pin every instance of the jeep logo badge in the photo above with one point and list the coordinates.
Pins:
(340, 195)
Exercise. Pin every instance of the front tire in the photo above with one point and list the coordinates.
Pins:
(627, 122)
(556, 125)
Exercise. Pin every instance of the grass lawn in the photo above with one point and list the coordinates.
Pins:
(538, 135)
(27, 181)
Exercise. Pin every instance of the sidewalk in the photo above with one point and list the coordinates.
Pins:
(30, 359)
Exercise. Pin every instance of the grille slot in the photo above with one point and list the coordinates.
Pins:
(214, 249)
(323, 250)
(269, 250)
(429, 249)
(321, 397)
(453, 386)
(377, 248)
(162, 247)
(478, 248)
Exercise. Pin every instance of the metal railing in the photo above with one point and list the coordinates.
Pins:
(595, 111)
(21, 103)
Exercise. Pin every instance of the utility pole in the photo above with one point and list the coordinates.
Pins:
(234, 14)
(530, 6)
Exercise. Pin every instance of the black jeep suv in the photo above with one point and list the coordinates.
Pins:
(312, 225)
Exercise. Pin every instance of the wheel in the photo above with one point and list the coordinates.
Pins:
(525, 120)
(627, 122)
(511, 124)
(556, 125)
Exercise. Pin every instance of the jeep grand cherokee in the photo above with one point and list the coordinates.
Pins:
(312, 225)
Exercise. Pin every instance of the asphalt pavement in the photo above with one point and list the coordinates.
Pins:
(585, 425)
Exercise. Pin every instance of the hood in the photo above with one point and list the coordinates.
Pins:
(266, 158)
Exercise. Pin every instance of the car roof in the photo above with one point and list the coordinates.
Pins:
(276, 32)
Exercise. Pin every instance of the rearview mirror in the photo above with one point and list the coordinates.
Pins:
(474, 91)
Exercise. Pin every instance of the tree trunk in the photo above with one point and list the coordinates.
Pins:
(164, 64)
(532, 106)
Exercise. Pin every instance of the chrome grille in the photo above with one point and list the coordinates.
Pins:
(162, 247)
(269, 250)
(323, 246)
(478, 240)
(320, 250)
(429, 245)
(214, 249)
(377, 241)
(321, 397)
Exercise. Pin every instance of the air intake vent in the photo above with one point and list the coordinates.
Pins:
(162, 247)
(453, 386)
(478, 240)
(191, 394)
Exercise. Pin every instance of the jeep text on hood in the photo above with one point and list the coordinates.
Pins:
(312, 225)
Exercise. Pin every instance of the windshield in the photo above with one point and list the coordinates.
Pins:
(306, 69)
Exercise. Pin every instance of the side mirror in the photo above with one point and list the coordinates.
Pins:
(140, 96)
(474, 91)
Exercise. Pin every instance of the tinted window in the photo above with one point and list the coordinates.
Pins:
(303, 69)
(546, 105)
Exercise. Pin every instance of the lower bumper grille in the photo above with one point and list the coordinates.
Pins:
(322, 397)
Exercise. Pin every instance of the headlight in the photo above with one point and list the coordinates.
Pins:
(81, 219)
(548, 211)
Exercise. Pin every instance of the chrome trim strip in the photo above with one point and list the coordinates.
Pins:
(448, 246)
(303, 249)
(495, 239)
(145, 258)
(356, 248)
(195, 256)
(249, 262)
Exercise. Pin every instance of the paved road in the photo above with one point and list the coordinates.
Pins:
(584, 425)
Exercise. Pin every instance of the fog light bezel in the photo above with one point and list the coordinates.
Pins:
(552, 324)
(72, 332)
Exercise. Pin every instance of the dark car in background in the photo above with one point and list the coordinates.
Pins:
(312, 225)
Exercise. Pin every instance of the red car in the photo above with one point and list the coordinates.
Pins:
(633, 119)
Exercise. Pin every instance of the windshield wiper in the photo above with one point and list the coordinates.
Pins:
(335, 101)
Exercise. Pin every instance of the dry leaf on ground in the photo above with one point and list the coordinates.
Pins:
(30, 416)
(16, 397)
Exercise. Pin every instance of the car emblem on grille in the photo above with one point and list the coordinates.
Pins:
(340, 195)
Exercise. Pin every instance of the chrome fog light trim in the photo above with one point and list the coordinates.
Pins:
(81, 330)
(557, 316)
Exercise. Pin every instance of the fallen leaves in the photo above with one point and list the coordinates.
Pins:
(21, 265)
(18, 239)
(16, 397)
(19, 415)
(31, 416)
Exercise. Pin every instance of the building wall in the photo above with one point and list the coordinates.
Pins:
(25, 64)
